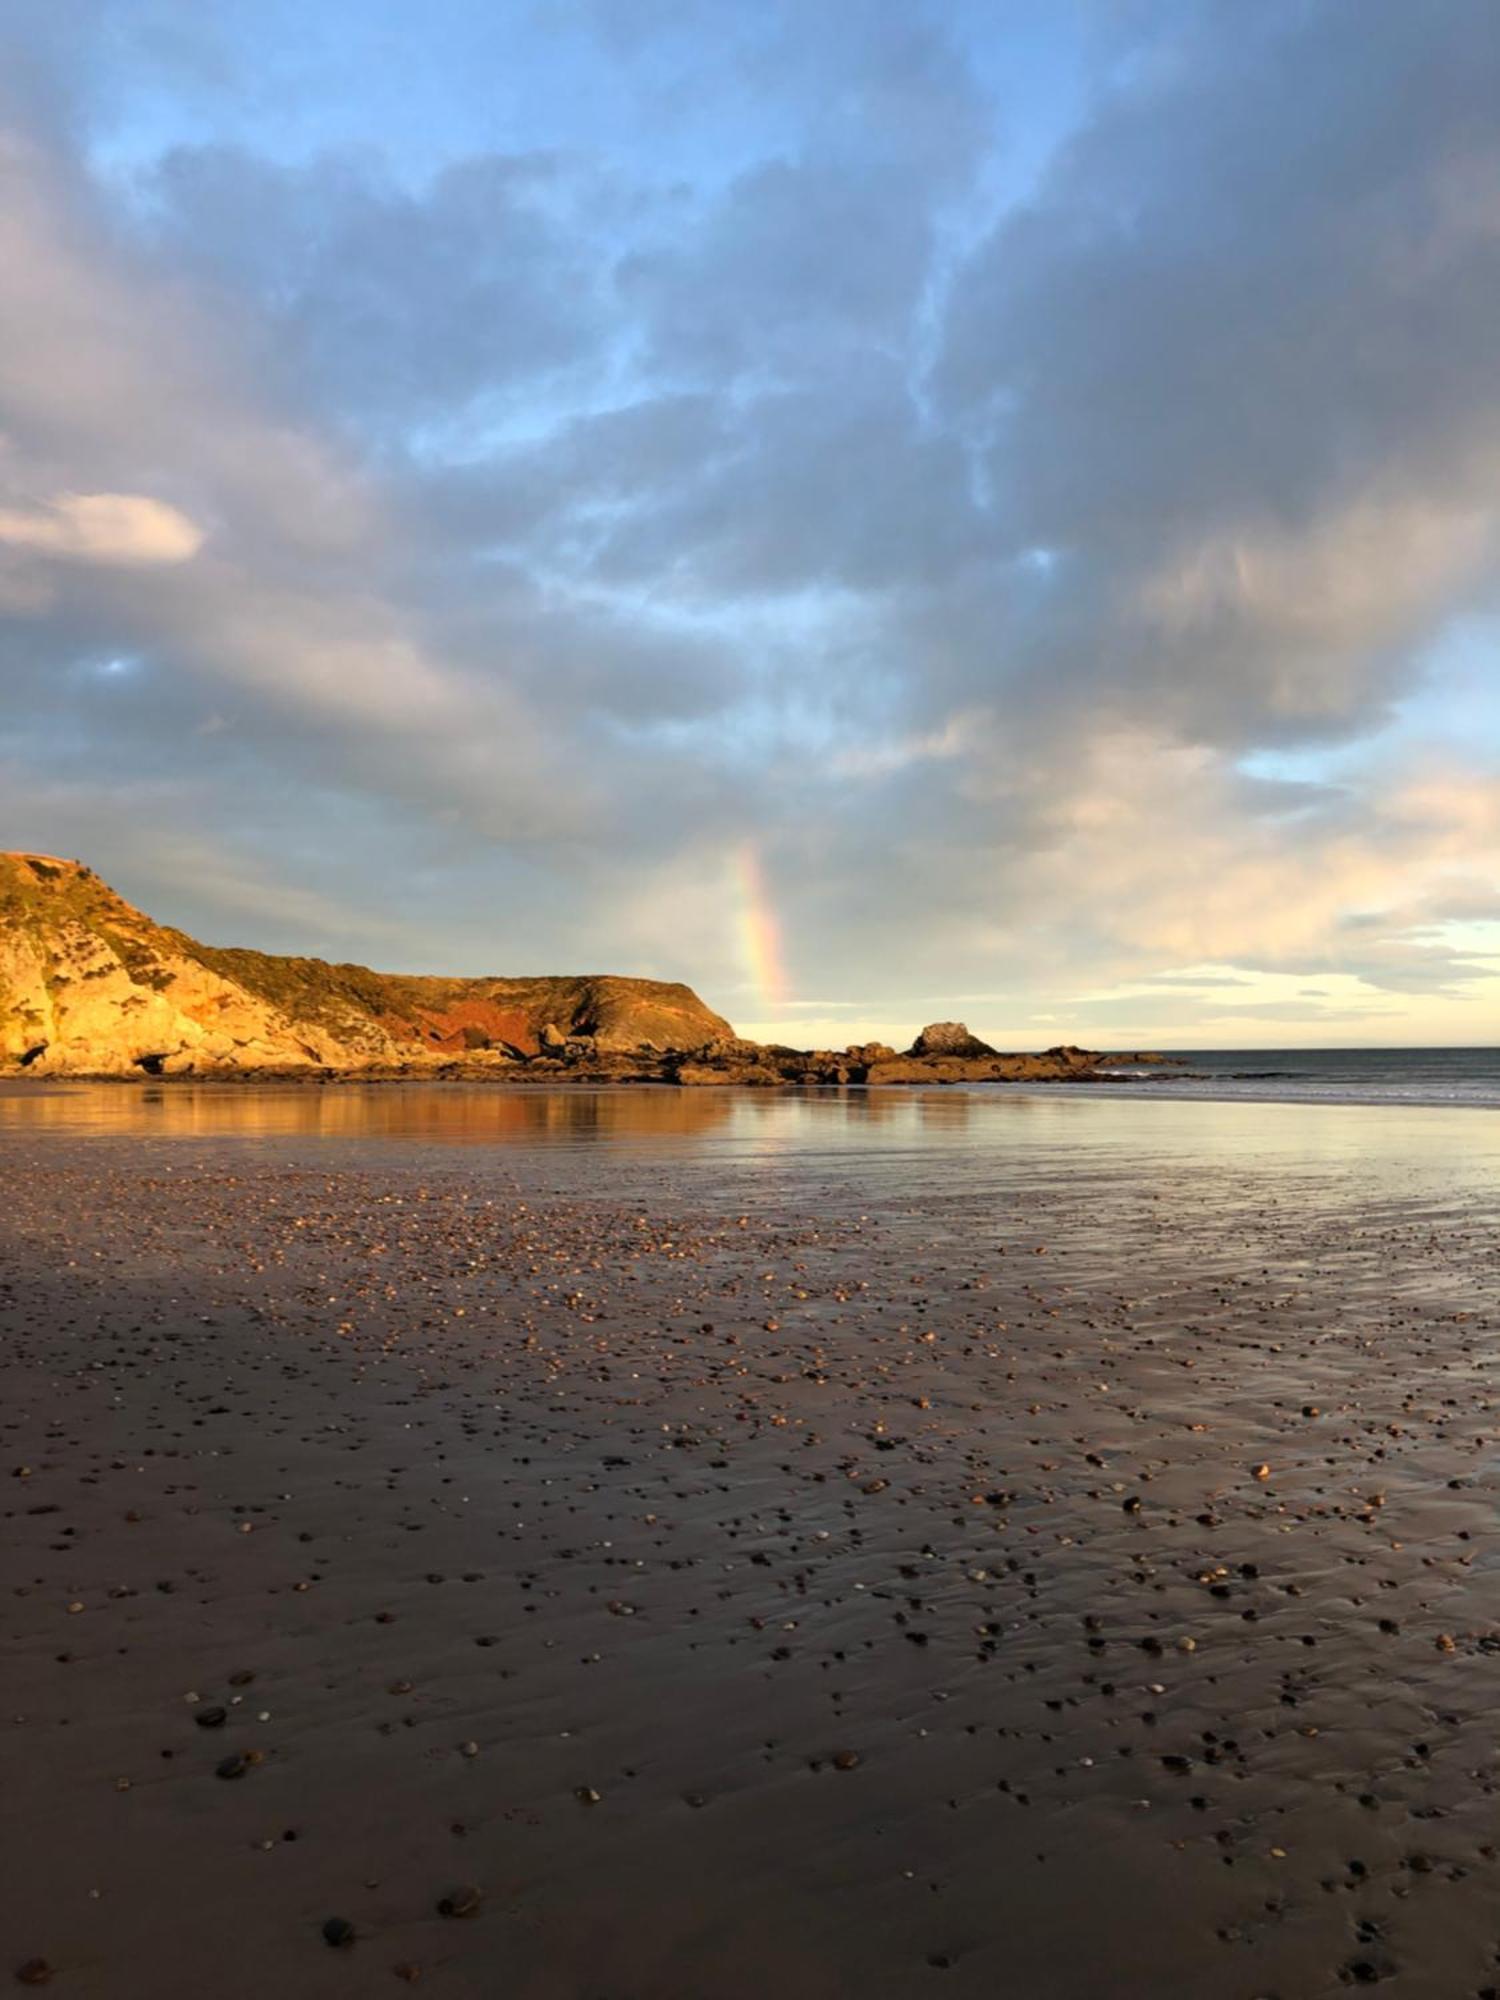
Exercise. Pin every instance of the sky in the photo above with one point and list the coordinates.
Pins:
(883, 509)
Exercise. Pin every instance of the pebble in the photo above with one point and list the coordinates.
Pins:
(464, 1901)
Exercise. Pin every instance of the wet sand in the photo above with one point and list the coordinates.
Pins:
(815, 1569)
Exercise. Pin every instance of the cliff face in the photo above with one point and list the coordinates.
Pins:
(90, 986)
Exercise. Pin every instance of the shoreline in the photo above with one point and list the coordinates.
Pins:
(1166, 1087)
(489, 1080)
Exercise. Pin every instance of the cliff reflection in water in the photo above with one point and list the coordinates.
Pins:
(827, 1140)
(477, 1114)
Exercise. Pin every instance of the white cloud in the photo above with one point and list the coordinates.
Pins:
(128, 528)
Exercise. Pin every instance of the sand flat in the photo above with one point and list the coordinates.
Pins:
(822, 1550)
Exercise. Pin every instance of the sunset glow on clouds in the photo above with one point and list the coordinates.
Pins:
(102, 527)
(882, 510)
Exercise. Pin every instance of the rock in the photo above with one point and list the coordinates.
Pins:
(1070, 1056)
(691, 1074)
(34, 1972)
(338, 1931)
(904, 1069)
(464, 1901)
(552, 1037)
(949, 1038)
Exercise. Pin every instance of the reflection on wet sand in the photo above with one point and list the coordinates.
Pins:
(459, 1113)
(1073, 1131)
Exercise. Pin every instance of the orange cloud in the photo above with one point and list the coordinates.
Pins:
(128, 528)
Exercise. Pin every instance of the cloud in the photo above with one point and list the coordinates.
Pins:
(1241, 386)
(103, 527)
(774, 445)
(1194, 981)
(447, 300)
(294, 612)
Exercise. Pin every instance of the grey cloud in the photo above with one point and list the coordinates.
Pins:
(823, 486)
(799, 259)
(382, 304)
(1307, 1013)
(1204, 1017)
(1248, 303)
(824, 253)
(1401, 967)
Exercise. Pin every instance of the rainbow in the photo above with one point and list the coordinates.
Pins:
(760, 933)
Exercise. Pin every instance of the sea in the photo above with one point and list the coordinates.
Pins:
(1332, 1076)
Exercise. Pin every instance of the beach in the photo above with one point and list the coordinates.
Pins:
(639, 1546)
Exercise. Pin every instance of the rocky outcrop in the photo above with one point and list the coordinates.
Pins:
(91, 987)
(949, 1038)
(1061, 1065)
(759, 1063)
